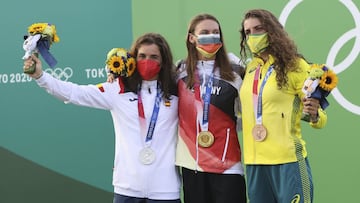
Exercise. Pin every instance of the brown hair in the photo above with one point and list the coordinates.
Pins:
(221, 60)
(281, 46)
(167, 71)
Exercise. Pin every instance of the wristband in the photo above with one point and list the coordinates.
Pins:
(39, 76)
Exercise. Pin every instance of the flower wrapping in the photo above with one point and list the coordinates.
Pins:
(39, 39)
(120, 62)
(318, 85)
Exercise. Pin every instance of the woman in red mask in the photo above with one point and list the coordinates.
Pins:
(208, 150)
(144, 108)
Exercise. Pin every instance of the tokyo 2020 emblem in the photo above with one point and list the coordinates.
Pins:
(61, 74)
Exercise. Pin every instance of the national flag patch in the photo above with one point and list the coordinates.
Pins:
(100, 87)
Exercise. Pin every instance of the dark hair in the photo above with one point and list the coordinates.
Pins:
(221, 59)
(167, 71)
(281, 46)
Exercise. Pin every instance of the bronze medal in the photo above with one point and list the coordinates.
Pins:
(259, 132)
(205, 138)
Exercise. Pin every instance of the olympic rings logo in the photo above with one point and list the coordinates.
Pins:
(347, 36)
(61, 74)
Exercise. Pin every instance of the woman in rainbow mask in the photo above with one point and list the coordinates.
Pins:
(277, 167)
(208, 149)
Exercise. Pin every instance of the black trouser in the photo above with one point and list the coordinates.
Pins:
(126, 199)
(202, 187)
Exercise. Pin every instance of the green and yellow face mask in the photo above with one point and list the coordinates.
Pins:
(257, 43)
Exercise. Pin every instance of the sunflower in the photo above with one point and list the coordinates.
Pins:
(45, 29)
(131, 65)
(37, 28)
(120, 62)
(328, 80)
(116, 64)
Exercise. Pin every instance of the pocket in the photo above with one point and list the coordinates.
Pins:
(226, 145)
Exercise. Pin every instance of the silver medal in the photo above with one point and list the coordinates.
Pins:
(147, 156)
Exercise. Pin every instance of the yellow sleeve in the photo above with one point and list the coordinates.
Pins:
(297, 78)
(321, 121)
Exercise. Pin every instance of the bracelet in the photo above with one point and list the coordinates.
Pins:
(39, 76)
(314, 119)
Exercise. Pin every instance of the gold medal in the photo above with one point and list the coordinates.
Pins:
(205, 138)
(259, 132)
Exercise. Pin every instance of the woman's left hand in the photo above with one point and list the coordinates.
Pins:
(311, 107)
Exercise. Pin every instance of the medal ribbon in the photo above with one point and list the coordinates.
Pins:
(257, 97)
(154, 115)
(43, 46)
(206, 98)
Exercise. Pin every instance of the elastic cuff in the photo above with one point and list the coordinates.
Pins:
(39, 76)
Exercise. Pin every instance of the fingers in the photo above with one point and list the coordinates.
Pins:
(311, 102)
(110, 78)
(311, 109)
(35, 58)
(311, 106)
(32, 66)
(28, 62)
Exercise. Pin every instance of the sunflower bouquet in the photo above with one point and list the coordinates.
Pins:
(319, 84)
(120, 63)
(38, 40)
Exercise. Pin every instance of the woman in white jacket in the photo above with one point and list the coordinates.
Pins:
(144, 109)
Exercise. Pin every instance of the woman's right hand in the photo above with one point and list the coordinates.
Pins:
(38, 70)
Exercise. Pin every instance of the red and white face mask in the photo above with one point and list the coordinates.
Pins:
(148, 68)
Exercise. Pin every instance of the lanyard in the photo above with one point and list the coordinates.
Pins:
(257, 96)
(206, 98)
(154, 115)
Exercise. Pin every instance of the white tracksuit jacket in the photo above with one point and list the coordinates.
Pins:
(159, 180)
